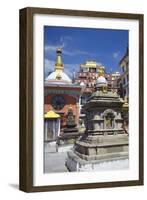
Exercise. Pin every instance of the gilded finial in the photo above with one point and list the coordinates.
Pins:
(101, 71)
(59, 64)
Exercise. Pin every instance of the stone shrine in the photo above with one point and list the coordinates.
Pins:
(70, 118)
(105, 142)
(71, 130)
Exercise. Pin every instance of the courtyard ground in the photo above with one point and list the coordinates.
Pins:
(55, 162)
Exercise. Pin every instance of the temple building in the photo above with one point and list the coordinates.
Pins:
(87, 78)
(123, 91)
(104, 145)
(61, 97)
(123, 81)
(112, 80)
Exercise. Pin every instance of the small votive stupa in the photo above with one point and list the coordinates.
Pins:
(104, 145)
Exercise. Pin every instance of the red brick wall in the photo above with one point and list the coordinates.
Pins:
(63, 112)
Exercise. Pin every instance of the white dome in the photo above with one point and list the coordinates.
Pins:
(101, 81)
(82, 84)
(60, 77)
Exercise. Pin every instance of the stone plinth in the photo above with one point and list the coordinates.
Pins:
(75, 163)
(95, 146)
(94, 150)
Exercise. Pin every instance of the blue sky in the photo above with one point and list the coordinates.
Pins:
(105, 46)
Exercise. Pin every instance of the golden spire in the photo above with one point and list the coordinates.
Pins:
(59, 64)
(101, 71)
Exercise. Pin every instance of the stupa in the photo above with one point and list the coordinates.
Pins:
(105, 143)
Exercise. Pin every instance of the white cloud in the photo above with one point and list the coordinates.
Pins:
(48, 66)
(68, 68)
(99, 64)
(77, 52)
(65, 44)
(65, 51)
(65, 39)
(116, 55)
(52, 48)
